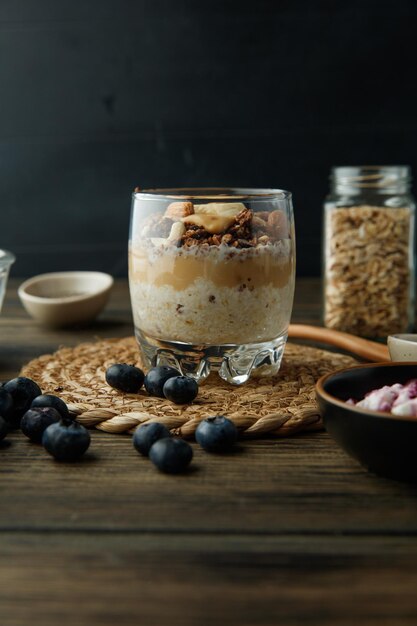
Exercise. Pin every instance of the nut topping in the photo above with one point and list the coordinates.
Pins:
(177, 231)
(277, 224)
(215, 224)
(178, 210)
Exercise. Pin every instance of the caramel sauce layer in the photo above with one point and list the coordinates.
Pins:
(181, 270)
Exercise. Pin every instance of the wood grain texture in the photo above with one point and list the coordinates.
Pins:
(281, 532)
(206, 580)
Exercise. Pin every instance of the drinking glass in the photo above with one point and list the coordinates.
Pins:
(211, 274)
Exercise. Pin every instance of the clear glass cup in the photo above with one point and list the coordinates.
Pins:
(6, 261)
(211, 275)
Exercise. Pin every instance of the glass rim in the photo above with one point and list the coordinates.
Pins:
(6, 258)
(379, 178)
(212, 193)
(369, 171)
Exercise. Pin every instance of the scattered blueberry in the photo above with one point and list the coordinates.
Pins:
(36, 420)
(23, 390)
(6, 403)
(66, 440)
(216, 433)
(180, 389)
(123, 377)
(146, 435)
(171, 455)
(156, 378)
(4, 428)
(51, 401)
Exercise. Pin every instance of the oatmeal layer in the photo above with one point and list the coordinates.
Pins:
(205, 313)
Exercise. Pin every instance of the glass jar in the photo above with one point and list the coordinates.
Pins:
(211, 275)
(368, 245)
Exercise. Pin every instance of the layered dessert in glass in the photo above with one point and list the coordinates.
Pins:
(211, 277)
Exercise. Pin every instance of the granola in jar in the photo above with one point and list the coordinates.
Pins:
(369, 255)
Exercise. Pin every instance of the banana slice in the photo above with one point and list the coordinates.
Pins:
(222, 209)
(211, 223)
(177, 231)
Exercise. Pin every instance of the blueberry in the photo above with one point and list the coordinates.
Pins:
(156, 378)
(6, 404)
(23, 390)
(180, 389)
(171, 455)
(66, 440)
(51, 401)
(123, 377)
(216, 433)
(4, 428)
(36, 420)
(146, 435)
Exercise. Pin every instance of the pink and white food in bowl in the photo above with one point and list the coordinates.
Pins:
(396, 399)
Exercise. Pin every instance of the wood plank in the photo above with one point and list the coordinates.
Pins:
(304, 484)
(95, 580)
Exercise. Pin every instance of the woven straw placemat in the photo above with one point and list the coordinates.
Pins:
(278, 405)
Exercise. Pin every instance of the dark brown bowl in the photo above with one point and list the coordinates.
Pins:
(383, 443)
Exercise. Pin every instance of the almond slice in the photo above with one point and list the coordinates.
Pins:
(177, 210)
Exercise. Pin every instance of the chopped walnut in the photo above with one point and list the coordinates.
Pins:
(242, 228)
(216, 240)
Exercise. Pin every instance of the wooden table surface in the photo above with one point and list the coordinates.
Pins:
(287, 531)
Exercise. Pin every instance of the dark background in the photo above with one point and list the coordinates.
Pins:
(98, 96)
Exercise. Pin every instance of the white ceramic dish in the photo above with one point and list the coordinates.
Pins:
(63, 299)
(403, 347)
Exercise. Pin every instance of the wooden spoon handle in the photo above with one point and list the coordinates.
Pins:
(370, 350)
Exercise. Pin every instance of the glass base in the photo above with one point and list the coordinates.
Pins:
(234, 363)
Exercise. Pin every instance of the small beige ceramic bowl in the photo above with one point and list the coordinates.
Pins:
(63, 299)
(403, 347)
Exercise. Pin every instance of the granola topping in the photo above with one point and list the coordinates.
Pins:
(185, 225)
